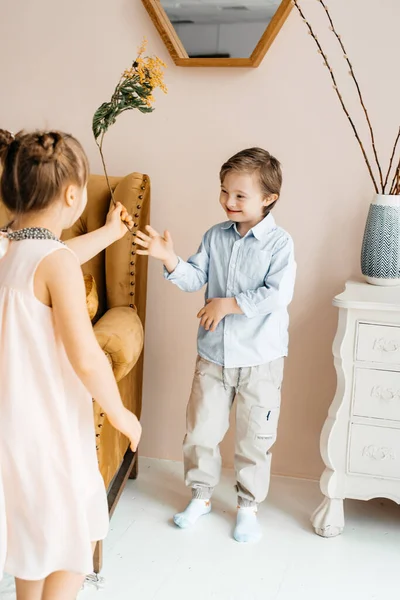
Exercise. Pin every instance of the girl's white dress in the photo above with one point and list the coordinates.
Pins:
(53, 502)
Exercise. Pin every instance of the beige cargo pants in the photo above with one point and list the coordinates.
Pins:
(257, 391)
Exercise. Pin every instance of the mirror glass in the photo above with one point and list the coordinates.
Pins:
(220, 28)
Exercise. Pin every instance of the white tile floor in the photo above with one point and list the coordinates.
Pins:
(148, 558)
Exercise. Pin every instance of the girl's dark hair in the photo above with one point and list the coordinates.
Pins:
(37, 167)
(260, 161)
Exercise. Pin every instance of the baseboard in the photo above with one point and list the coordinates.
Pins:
(301, 476)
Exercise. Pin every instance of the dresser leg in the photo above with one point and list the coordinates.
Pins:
(328, 519)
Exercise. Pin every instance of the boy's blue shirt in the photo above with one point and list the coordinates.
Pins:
(258, 270)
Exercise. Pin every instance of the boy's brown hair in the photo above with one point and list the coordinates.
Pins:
(37, 167)
(257, 160)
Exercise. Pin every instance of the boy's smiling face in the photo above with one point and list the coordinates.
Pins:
(243, 199)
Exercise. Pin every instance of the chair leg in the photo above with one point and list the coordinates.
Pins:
(135, 469)
(98, 557)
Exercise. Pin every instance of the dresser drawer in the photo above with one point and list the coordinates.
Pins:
(378, 343)
(377, 394)
(374, 451)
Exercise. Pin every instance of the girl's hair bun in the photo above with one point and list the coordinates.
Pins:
(6, 139)
(46, 147)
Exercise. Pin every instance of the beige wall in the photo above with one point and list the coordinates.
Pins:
(60, 60)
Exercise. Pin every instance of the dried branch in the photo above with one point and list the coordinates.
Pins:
(335, 87)
(391, 160)
(338, 37)
(396, 190)
(395, 187)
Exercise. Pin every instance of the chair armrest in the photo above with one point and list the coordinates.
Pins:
(120, 335)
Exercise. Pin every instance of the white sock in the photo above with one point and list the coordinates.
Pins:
(194, 510)
(247, 526)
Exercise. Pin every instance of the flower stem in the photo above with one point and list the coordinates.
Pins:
(100, 147)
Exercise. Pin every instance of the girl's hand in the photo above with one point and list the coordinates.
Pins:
(158, 246)
(128, 424)
(118, 219)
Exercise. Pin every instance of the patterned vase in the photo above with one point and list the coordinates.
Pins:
(380, 255)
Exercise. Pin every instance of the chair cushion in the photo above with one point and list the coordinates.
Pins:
(120, 335)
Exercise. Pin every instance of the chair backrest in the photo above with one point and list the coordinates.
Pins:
(121, 276)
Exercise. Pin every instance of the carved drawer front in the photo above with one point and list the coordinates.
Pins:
(378, 343)
(375, 451)
(377, 394)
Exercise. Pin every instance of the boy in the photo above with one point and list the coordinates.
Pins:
(249, 268)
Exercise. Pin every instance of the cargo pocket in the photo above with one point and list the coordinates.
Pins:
(201, 366)
(263, 423)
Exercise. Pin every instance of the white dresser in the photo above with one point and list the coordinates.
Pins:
(360, 441)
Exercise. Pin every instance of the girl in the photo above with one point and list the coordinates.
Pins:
(53, 504)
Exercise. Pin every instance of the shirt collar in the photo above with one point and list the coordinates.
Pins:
(260, 230)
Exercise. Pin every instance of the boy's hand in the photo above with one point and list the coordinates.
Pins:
(158, 246)
(117, 222)
(215, 310)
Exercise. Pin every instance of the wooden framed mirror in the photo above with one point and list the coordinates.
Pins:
(218, 33)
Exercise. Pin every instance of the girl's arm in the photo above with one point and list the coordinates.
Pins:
(89, 245)
(189, 276)
(63, 277)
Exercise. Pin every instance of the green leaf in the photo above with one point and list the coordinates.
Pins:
(146, 109)
(103, 118)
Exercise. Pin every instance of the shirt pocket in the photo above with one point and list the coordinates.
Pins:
(254, 265)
